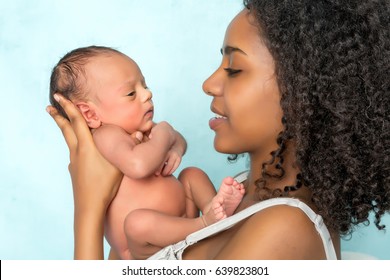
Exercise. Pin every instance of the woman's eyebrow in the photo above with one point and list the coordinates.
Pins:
(229, 49)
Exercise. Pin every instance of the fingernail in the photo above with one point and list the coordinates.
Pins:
(48, 109)
(139, 136)
(57, 97)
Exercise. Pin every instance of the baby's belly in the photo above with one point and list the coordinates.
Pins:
(163, 194)
(160, 193)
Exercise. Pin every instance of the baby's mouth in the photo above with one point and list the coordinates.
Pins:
(150, 112)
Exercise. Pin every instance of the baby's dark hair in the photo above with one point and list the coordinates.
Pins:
(68, 76)
(332, 62)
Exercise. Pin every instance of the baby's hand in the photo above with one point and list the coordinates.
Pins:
(170, 164)
(137, 137)
(163, 129)
(176, 149)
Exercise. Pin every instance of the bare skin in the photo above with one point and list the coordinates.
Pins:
(164, 198)
(226, 201)
(275, 233)
(117, 105)
(144, 232)
(249, 121)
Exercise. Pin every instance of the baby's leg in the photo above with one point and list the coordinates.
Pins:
(198, 188)
(224, 204)
(201, 195)
(147, 231)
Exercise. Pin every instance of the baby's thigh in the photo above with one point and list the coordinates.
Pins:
(138, 223)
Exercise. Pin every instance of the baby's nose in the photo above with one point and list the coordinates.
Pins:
(146, 95)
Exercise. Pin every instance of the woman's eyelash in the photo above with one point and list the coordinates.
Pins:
(231, 71)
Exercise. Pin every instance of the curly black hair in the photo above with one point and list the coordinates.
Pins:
(332, 64)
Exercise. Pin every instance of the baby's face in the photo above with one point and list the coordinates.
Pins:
(119, 92)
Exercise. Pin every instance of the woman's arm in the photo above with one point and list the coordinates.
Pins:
(95, 182)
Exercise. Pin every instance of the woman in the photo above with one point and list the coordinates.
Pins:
(303, 89)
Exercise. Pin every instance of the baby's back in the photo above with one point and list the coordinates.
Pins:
(164, 194)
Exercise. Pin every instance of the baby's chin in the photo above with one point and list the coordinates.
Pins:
(145, 129)
(148, 127)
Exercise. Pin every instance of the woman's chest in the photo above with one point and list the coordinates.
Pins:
(209, 248)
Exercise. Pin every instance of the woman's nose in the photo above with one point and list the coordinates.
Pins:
(213, 84)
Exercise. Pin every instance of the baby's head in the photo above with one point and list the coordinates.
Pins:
(107, 87)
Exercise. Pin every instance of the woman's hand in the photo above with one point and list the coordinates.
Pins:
(95, 181)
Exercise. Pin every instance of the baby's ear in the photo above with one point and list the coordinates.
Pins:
(89, 112)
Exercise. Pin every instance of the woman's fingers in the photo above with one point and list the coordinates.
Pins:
(80, 127)
(64, 125)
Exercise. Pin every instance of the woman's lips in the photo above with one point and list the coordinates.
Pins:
(216, 121)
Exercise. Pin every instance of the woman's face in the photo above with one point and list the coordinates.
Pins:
(245, 92)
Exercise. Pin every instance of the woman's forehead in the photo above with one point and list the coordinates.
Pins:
(243, 33)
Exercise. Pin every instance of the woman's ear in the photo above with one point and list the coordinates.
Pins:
(90, 114)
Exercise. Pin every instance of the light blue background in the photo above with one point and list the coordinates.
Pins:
(175, 42)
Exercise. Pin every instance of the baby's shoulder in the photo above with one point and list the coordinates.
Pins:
(111, 135)
(110, 131)
(107, 129)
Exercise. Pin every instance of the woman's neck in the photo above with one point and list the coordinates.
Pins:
(289, 166)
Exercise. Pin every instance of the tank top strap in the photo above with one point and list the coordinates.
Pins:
(234, 219)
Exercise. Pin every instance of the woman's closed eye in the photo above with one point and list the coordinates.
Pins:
(231, 71)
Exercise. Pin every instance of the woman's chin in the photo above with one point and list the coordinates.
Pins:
(224, 149)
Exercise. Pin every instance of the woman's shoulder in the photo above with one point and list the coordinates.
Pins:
(280, 216)
(280, 231)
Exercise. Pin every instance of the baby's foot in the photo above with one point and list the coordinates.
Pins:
(224, 204)
(232, 192)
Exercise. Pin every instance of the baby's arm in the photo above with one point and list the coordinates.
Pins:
(180, 144)
(174, 155)
(135, 161)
